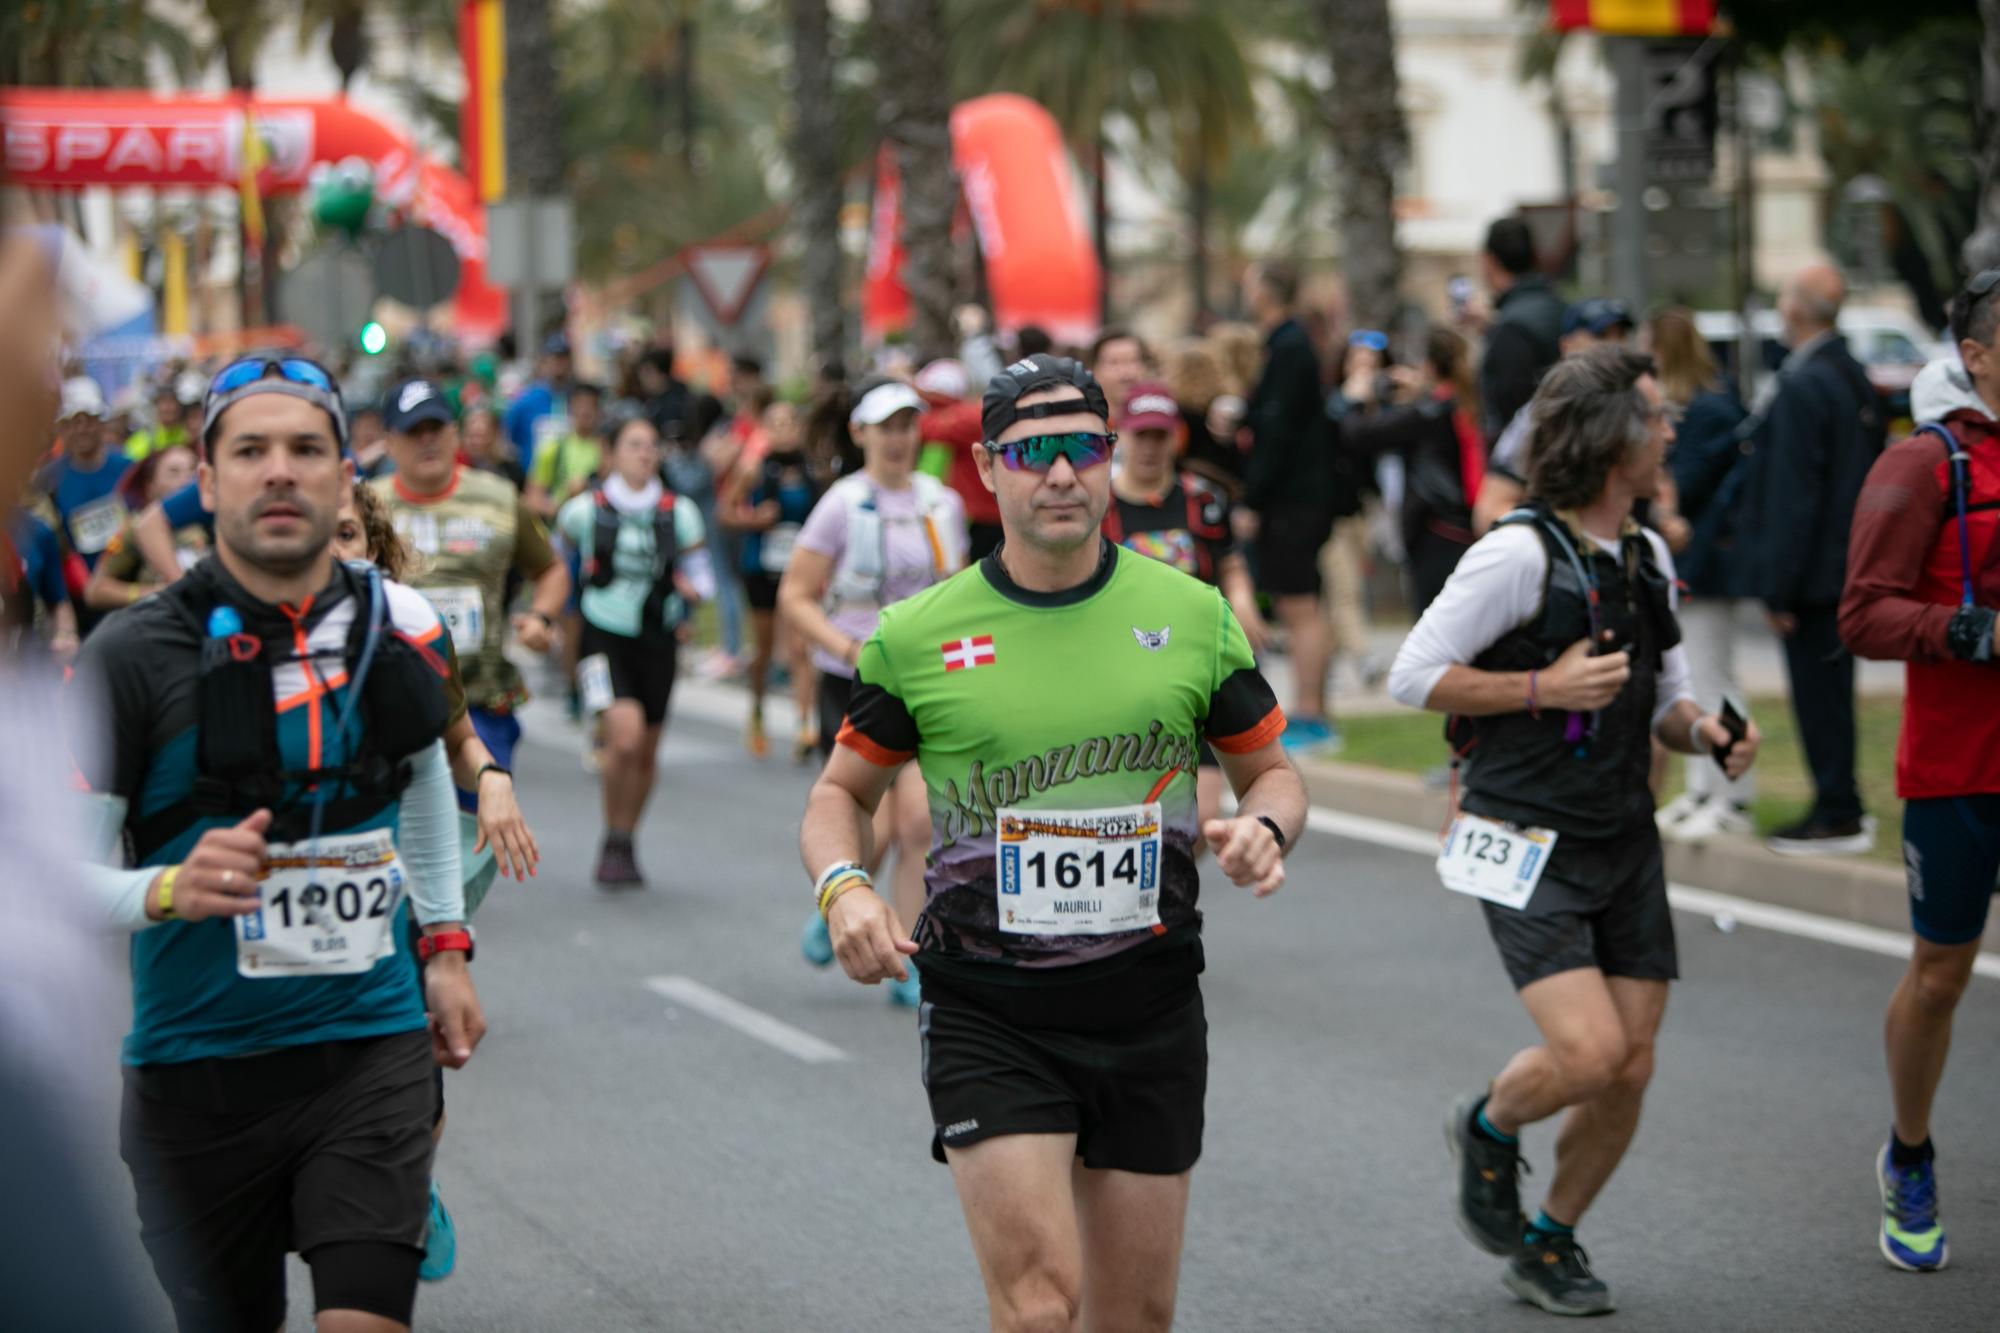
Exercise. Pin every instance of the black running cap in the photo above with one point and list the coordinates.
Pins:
(1000, 408)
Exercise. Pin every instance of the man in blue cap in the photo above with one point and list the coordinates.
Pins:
(542, 399)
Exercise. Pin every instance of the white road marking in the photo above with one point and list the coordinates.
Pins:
(1786, 920)
(750, 1022)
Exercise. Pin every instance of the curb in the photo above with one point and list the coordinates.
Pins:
(1838, 887)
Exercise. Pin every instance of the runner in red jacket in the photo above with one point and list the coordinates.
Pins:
(1922, 587)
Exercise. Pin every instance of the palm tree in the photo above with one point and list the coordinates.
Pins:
(1982, 250)
(668, 151)
(90, 44)
(429, 23)
(1171, 67)
(818, 167)
(911, 56)
(536, 163)
(1370, 142)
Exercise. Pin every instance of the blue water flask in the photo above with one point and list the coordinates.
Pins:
(223, 621)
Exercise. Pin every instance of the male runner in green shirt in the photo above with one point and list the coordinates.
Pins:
(1054, 697)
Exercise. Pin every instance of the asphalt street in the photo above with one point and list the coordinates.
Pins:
(630, 1150)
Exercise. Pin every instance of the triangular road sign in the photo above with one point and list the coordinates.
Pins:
(727, 276)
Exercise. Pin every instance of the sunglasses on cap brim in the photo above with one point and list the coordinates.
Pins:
(1038, 453)
(305, 379)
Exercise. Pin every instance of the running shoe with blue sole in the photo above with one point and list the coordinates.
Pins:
(1912, 1237)
(440, 1241)
(1312, 734)
(815, 943)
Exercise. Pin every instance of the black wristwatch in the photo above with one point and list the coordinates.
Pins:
(484, 769)
(1276, 832)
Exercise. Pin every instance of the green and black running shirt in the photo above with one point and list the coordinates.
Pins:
(1022, 708)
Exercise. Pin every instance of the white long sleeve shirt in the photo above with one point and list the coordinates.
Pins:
(1496, 588)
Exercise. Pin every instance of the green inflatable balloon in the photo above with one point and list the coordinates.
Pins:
(343, 195)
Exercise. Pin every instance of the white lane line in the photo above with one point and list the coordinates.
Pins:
(1785, 920)
(688, 992)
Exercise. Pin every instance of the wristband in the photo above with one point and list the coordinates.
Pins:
(845, 884)
(445, 941)
(484, 769)
(166, 893)
(833, 872)
(549, 623)
(1695, 745)
(1276, 832)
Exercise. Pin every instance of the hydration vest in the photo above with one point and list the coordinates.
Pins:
(597, 569)
(859, 578)
(1204, 520)
(239, 766)
(1580, 774)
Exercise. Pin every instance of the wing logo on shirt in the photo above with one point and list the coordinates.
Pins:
(1152, 640)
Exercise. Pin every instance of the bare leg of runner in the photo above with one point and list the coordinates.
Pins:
(1596, 1134)
(1132, 1227)
(1918, 1030)
(1020, 1211)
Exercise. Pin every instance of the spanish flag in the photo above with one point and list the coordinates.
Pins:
(481, 122)
(251, 202)
(1636, 18)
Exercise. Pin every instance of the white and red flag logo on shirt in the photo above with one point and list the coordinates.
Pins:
(962, 653)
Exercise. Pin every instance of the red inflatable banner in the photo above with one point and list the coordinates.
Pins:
(59, 138)
(1015, 173)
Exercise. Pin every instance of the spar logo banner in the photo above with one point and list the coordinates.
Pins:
(81, 145)
(1636, 18)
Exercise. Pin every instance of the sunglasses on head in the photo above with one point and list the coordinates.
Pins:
(297, 370)
(1038, 453)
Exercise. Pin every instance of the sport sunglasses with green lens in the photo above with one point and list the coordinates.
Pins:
(1038, 453)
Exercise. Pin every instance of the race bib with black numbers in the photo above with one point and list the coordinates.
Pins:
(1501, 863)
(329, 914)
(1079, 872)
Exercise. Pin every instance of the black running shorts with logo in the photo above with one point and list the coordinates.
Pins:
(1602, 903)
(1117, 1055)
(236, 1162)
(642, 669)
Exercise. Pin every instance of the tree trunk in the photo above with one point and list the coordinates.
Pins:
(535, 162)
(915, 99)
(1100, 223)
(816, 162)
(1370, 143)
(1982, 249)
(1199, 190)
(684, 78)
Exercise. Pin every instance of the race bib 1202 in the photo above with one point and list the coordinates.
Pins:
(1079, 872)
(330, 914)
(1501, 863)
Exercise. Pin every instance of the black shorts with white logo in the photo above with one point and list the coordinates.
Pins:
(235, 1162)
(1115, 1053)
(1602, 904)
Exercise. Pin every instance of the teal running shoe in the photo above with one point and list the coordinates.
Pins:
(440, 1241)
(1912, 1237)
(1313, 735)
(815, 943)
(905, 994)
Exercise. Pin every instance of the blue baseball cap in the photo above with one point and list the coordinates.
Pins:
(1597, 317)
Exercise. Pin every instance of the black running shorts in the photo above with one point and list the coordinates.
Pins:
(236, 1162)
(1286, 551)
(761, 591)
(641, 669)
(1119, 1060)
(1602, 903)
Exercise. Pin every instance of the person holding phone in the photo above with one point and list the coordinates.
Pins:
(1916, 591)
(1554, 646)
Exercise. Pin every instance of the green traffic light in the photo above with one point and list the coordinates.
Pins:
(373, 338)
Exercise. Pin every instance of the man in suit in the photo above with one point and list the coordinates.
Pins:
(1821, 432)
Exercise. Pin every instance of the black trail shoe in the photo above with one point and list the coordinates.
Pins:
(1489, 1181)
(617, 867)
(1554, 1273)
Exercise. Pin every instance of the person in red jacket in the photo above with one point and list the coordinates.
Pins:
(953, 421)
(1923, 583)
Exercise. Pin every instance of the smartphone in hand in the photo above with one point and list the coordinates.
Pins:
(1734, 723)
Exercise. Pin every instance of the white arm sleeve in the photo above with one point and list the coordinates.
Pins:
(427, 838)
(1676, 678)
(700, 573)
(1496, 587)
(119, 894)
